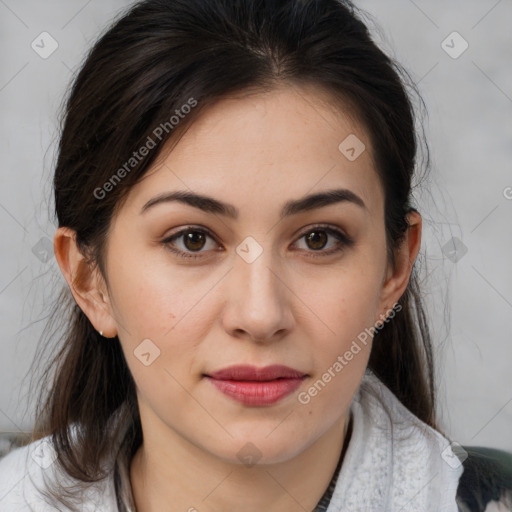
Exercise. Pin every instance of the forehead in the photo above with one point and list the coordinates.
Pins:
(267, 147)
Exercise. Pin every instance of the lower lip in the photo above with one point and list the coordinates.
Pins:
(257, 392)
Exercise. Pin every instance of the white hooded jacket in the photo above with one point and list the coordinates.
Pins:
(394, 462)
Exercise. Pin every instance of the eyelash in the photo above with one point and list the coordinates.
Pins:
(344, 241)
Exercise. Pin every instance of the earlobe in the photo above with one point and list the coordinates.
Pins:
(405, 256)
(85, 282)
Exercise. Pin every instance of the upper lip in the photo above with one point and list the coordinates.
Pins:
(253, 373)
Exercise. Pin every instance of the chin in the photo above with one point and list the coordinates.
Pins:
(259, 450)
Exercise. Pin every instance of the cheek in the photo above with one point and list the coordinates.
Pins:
(346, 347)
(346, 309)
(152, 297)
(161, 311)
(342, 345)
(348, 302)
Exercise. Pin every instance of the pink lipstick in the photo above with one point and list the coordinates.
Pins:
(257, 386)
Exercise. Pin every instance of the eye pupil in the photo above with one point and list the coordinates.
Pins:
(192, 238)
(318, 241)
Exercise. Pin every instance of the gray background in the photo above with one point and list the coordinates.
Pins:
(468, 196)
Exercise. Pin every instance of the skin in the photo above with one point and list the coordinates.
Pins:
(254, 151)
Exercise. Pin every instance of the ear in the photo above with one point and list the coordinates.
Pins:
(86, 283)
(397, 277)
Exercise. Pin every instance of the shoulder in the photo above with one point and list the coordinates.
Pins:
(26, 473)
(486, 483)
(21, 473)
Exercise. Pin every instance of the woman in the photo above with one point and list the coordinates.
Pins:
(237, 231)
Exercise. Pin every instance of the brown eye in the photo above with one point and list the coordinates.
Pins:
(194, 240)
(191, 240)
(317, 239)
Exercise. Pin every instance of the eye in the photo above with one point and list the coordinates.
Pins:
(193, 239)
(316, 239)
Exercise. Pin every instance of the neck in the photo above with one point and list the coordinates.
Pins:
(183, 476)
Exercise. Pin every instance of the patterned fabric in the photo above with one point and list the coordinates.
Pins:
(394, 462)
(124, 496)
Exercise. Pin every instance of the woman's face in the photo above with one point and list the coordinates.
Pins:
(254, 275)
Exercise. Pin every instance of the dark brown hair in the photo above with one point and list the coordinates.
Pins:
(150, 63)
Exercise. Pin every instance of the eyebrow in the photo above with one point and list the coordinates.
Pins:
(211, 205)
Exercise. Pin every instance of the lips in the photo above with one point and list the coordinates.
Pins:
(256, 386)
(247, 372)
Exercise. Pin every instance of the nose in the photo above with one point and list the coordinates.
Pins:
(258, 305)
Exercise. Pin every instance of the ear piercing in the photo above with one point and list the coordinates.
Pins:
(101, 334)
